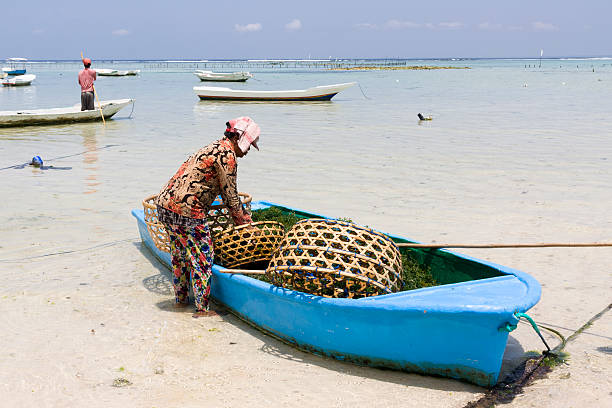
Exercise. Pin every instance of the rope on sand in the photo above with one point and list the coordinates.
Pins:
(71, 251)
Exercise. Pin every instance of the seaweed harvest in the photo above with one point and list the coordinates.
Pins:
(413, 274)
(288, 219)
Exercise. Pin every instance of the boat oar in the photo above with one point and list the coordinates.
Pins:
(536, 245)
(97, 99)
(99, 104)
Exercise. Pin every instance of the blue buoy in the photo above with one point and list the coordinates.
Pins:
(36, 161)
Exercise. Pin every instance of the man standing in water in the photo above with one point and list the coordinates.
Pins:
(87, 77)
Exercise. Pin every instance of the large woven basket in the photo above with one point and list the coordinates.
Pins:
(241, 245)
(336, 259)
(218, 219)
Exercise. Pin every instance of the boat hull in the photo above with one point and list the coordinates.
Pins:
(21, 80)
(15, 72)
(318, 93)
(209, 76)
(450, 330)
(61, 115)
(325, 97)
(114, 72)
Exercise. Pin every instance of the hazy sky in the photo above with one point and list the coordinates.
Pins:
(202, 29)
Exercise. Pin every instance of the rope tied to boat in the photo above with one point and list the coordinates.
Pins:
(511, 327)
(363, 93)
(133, 104)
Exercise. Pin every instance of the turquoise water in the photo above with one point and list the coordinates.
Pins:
(513, 152)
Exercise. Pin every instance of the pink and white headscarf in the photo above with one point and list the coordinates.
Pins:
(247, 130)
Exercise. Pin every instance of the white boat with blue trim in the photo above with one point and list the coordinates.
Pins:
(16, 66)
(316, 93)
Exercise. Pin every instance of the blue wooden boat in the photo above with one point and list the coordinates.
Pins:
(16, 66)
(458, 329)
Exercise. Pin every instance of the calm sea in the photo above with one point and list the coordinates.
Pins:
(514, 151)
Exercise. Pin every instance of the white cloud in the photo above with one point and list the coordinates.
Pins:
(38, 31)
(367, 26)
(490, 26)
(293, 25)
(398, 25)
(452, 25)
(248, 27)
(121, 31)
(541, 26)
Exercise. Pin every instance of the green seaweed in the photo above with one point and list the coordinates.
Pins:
(415, 275)
(555, 359)
(288, 219)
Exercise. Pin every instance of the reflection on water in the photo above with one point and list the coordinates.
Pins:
(90, 158)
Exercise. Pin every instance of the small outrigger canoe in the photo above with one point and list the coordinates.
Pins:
(458, 329)
(317, 93)
(223, 76)
(61, 115)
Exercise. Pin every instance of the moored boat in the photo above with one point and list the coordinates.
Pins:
(458, 329)
(61, 115)
(19, 80)
(116, 72)
(16, 66)
(223, 76)
(317, 93)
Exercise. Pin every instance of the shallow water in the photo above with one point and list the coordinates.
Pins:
(507, 143)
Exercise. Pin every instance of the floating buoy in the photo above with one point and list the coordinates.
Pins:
(36, 161)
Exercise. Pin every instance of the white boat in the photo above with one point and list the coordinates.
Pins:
(61, 115)
(116, 72)
(317, 93)
(20, 80)
(223, 76)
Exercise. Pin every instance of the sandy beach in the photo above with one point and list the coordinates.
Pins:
(86, 311)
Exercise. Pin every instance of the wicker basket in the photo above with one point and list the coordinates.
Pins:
(218, 219)
(336, 259)
(238, 246)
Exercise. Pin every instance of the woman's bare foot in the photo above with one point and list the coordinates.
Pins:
(204, 313)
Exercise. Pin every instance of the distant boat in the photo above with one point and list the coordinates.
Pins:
(19, 80)
(61, 115)
(223, 76)
(317, 93)
(116, 72)
(16, 66)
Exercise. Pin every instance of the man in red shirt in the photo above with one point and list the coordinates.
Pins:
(86, 79)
